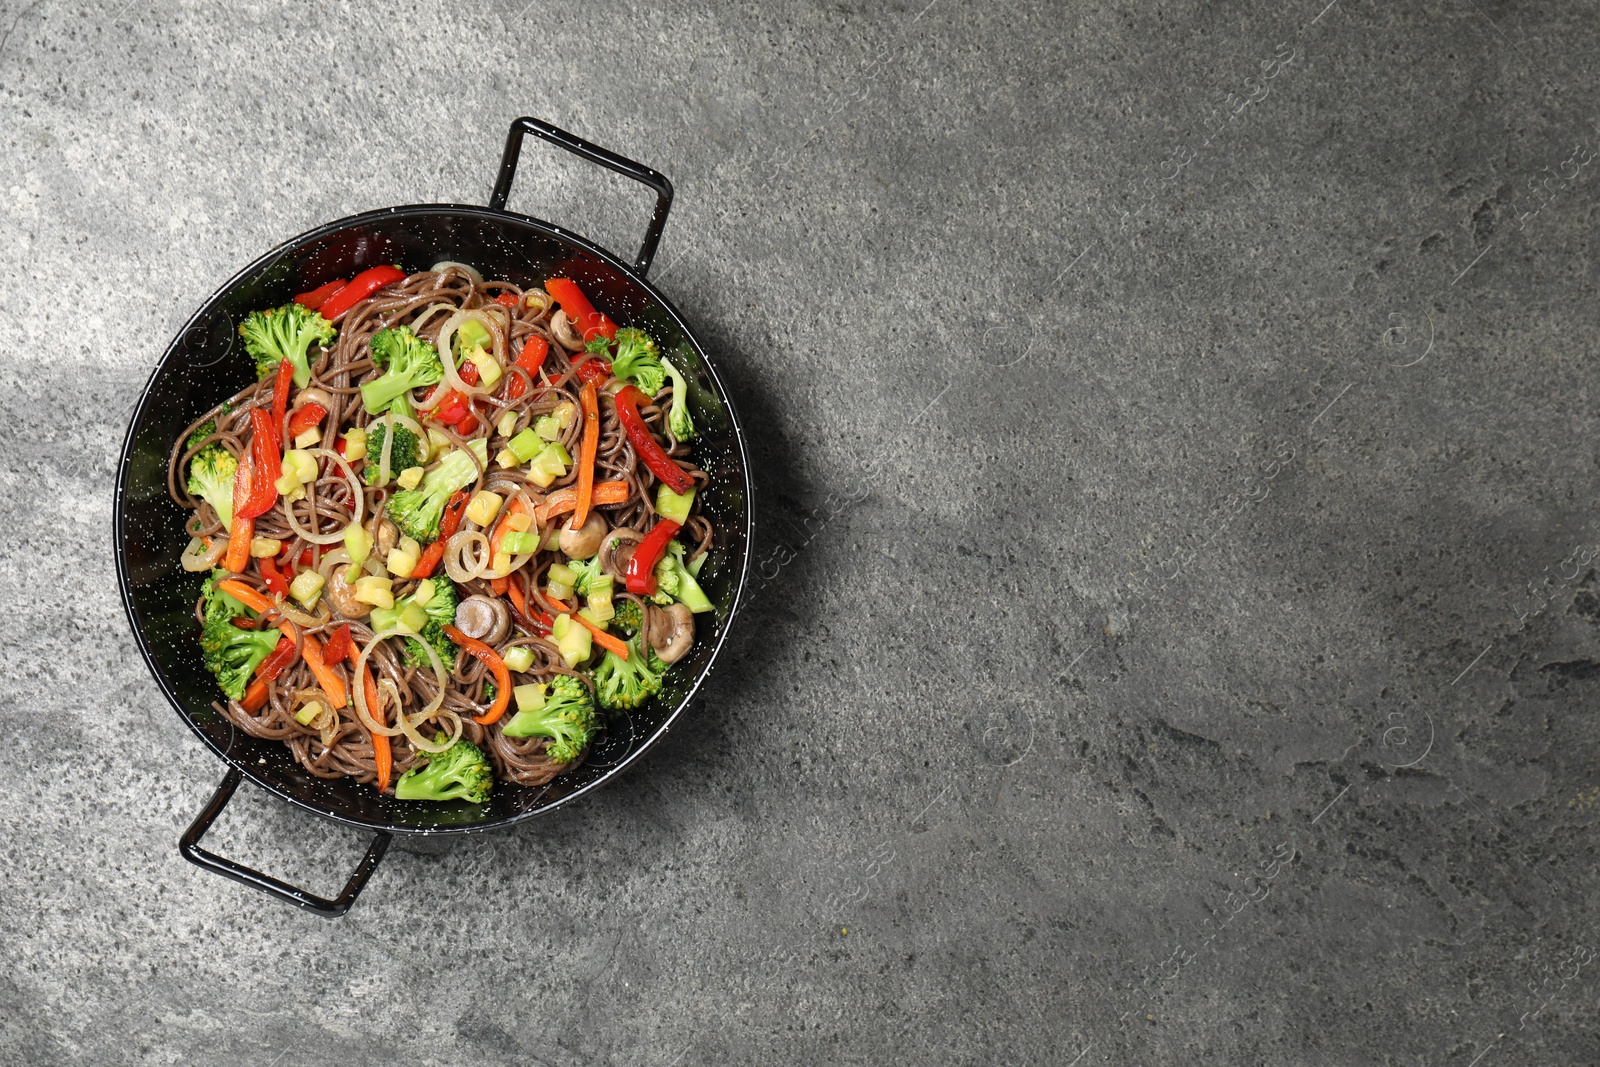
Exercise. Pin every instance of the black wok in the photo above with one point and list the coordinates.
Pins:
(205, 363)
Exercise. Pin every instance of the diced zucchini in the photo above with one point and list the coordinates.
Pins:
(472, 334)
(506, 459)
(507, 424)
(306, 588)
(413, 618)
(358, 543)
(489, 371)
(526, 445)
(500, 562)
(308, 437)
(410, 478)
(517, 543)
(308, 714)
(400, 563)
(560, 572)
(670, 505)
(529, 697)
(574, 642)
(355, 444)
(518, 658)
(438, 444)
(422, 595)
(262, 547)
(484, 506)
(379, 592)
(551, 463)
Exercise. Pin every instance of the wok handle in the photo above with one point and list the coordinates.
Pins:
(189, 845)
(594, 154)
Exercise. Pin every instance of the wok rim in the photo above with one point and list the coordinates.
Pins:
(264, 262)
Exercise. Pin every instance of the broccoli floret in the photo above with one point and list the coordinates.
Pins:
(627, 683)
(231, 653)
(409, 363)
(588, 572)
(277, 334)
(673, 579)
(405, 452)
(628, 617)
(567, 719)
(460, 772)
(678, 417)
(638, 361)
(211, 472)
(418, 511)
(441, 610)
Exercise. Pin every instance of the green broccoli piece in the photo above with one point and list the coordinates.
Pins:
(441, 611)
(627, 683)
(211, 472)
(638, 361)
(678, 418)
(284, 333)
(418, 511)
(628, 617)
(405, 452)
(673, 579)
(231, 653)
(460, 772)
(409, 363)
(588, 572)
(567, 719)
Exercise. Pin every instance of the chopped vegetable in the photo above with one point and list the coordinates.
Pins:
(648, 449)
(307, 588)
(317, 297)
(338, 646)
(357, 543)
(361, 286)
(489, 658)
(484, 506)
(589, 404)
(460, 772)
(306, 417)
(379, 592)
(409, 363)
(310, 648)
(679, 421)
(674, 506)
(638, 361)
(419, 511)
(598, 633)
(565, 715)
(589, 322)
(285, 333)
(404, 453)
(410, 478)
(517, 658)
(231, 653)
(673, 578)
(626, 681)
(641, 565)
(531, 360)
(574, 642)
(382, 752)
(211, 472)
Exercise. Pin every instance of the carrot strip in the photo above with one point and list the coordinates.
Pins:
(237, 558)
(589, 404)
(601, 638)
(497, 666)
(564, 500)
(310, 648)
(382, 753)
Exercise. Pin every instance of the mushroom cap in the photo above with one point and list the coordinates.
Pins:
(616, 550)
(342, 595)
(485, 618)
(670, 631)
(585, 541)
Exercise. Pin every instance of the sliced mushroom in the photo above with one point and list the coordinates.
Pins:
(485, 618)
(562, 330)
(670, 631)
(343, 596)
(385, 537)
(313, 395)
(617, 549)
(585, 540)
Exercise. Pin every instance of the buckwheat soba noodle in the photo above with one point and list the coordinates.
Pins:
(452, 526)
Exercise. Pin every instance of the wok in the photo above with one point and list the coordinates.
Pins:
(206, 362)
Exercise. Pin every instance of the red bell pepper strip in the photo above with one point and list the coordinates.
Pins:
(649, 450)
(642, 564)
(255, 695)
(589, 322)
(497, 667)
(447, 529)
(274, 577)
(594, 369)
(531, 359)
(266, 465)
(508, 299)
(361, 286)
(306, 416)
(280, 401)
(319, 296)
(338, 646)
(342, 445)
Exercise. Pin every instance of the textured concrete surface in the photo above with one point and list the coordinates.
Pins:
(1180, 626)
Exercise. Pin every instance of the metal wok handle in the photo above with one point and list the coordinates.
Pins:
(594, 154)
(189, 845)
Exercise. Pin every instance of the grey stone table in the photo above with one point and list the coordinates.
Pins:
(1179, 626)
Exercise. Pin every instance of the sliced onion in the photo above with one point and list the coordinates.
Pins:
(465, 268)
(365, 714)
(388, 449)
(409, 724)
(355, 494)
(447, 357)
(455, 556)
(197, 557)
(300, 618)
(537, 298)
